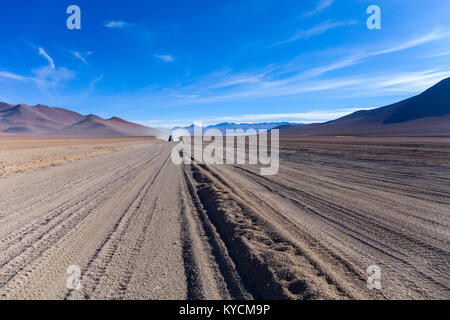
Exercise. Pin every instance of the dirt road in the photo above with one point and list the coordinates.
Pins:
(140, 227)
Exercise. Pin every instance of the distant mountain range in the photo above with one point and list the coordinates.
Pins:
(47, 121)
(222, 127)
(427, 114)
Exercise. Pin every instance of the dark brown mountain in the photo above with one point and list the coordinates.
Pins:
(43, 121)
(427, 114)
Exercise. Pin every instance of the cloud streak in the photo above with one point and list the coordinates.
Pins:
(139, 31)
(94, 82)
(117, 24)
(274, 81)
(316, 30)
(436, 34)
(77, 54)
(165, 57)
(80, 57)
(46, 56)
(9, 75)
(321, 6)
(45, 77)
(287, 80)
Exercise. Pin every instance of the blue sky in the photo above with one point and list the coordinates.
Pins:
(166, 63)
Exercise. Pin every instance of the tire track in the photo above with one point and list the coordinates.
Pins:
(85, 230)
(370, 232)
(270, 265)
(50, 230)
(220, 253)
(97, 267)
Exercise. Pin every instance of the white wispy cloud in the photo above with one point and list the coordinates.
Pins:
(336, 65)
(435, 34)
(48, 77)
(94, 82)
(46, 56)
(80, 57)
(407, 81)
(10, 75)
(138, 31)
(165, 57)
(364, 55)
(362, 86)
(316, 30)
(45, 78)
(288, 80)
(117, 24)
(439, 54)
(273, 81)
(320, 6)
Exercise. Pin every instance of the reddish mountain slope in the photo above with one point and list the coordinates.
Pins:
(42, 120)
(94, 126)
(35, 120)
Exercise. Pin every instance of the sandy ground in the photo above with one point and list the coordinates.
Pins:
(23, 155)
(140, 227)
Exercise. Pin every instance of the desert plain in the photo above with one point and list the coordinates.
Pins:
(140, 227)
